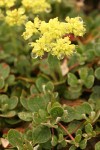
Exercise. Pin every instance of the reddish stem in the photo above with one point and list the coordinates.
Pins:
(66, 131)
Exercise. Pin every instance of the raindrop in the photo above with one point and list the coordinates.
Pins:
(33, 55)
(55, 94)
(48, 10)
(44, 90)
(60, 56)
(80, 19)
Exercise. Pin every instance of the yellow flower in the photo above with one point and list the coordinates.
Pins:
(15, 17)
(31, 28)
(51, 36)
(75, 26)
(36, 6)
(62, 47)
(7, 3)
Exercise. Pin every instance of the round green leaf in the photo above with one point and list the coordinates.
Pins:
(1, 82)
(54, 140)
(97, 146)
(72, 147)
(41, 134)
(26, 116)
(4, 70)
(88, 128)
(97, 73)
(24, 103)
(89, 81)
(56, 112)
(83, 72)
(13, 101)
(72, 80)
(15, 139)
(85, 108)
(49, 87)
(83, 144)
(8, 114)
(40, 82)
(36, 103)
(33, 90)
(78, 138)
(10, 80)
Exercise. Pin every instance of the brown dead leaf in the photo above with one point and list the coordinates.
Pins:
(72, 103)
(64, 67)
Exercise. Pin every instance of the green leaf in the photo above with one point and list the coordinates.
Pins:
(28, 135)
(2, 82)
(49, 87)
(54, 65)
(4, 70)
(61, 138)
(89, 81)
(10, 80)
(40, 82)
(73, 125)
(88, 128)
(23, 65)
(27, 146)
(97, 146)
(41, 134)
(56, 111)
(97, 73)
(47, 145)
(12, 121)
(90, 54)
(44, 67)
(4, 100)
(97, 49)
(95, 97)
(26, 116)
(63, 143)
(54, 140)
(71, 114)
(73, 92)
(83, 144)
(83, 72)
(78, 138)
(15, 139)
(13, 101)
(72, 147)
(24, 102)
(8, 114)
(72, 80)
(33, 90)
(36, 103)
(85, 108)
(79, 131)
(42, 113)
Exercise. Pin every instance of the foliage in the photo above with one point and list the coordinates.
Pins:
(47, 103)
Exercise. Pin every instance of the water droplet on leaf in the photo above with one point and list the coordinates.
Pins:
(80, 19)
(60, 56)
(33, 55)
(48, 10)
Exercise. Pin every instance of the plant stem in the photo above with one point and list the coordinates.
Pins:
(66, 131)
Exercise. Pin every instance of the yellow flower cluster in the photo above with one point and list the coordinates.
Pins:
(15, 17)
(75, 26)
(36, 6)
(51, 36)
(7, 3)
